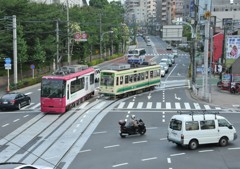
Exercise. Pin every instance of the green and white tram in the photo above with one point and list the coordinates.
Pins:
(127, 81)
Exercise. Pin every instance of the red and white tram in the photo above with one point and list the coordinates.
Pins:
(67, 87)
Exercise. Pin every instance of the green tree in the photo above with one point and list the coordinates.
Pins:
(40, 55)
(98, 3)
(22, 49)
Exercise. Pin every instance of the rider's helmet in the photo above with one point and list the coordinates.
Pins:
(133, 117)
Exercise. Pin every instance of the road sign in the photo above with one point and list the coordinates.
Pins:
(32, 66)
(8, 66)
(77, 36)
(8, 60)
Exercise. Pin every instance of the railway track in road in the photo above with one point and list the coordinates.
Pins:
(48, 139)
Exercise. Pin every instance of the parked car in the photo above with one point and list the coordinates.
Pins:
(16, 165)
(167, 60)
(14, 100)
(165, 65)
(163, 72)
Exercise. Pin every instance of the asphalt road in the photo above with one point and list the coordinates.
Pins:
(95, 142)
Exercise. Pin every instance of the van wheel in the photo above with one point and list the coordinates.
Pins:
(223, 141)
(193, 144)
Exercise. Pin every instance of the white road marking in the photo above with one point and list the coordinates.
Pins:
(140, 104)
(203, 151)
(137, 142)
(169, 160)
(118, 165)
(168, 105)
(218, 108)
(130, 105)
(120, 106)
(207, 107)
(147, 159)
(158, 105)
(187, 106)
(112, 146)
(83, 151)
(163, 139)
(34, 107)
(177, 105)
(172, 155)
(197, 106)
(28, 93)
(5, 125)
(100, 132)
(23, 108)
(149, 105)
(16, 120)
(236, 148)
(26, 116)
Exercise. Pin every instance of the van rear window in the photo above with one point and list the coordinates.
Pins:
(176, 124)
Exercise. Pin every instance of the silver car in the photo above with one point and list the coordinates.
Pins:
(165, 65)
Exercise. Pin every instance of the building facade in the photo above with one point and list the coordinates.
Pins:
(70, 2)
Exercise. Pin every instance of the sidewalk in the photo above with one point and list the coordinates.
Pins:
(217, 97)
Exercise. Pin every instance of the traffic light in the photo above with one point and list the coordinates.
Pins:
(219, 68)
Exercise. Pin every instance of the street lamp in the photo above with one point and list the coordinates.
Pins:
(101, 39)
(193, 37)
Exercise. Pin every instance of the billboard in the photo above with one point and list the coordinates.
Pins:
(172, 32)
(232, 49)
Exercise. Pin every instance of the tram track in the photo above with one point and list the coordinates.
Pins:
(58, 129)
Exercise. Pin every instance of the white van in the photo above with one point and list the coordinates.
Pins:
(194, 129)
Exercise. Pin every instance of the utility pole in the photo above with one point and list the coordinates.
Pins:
(206, 48)
(100, 34)
(57, 41)
(15, 49)
(68, 36)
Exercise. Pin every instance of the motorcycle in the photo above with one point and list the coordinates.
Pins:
(235, 88)
(131, 130)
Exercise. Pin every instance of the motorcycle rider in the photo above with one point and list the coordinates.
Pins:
(133, 124)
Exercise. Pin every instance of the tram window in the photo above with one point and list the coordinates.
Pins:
(126, 79)
(146, 74)
(121, 80)
(135, 77)
(117, 81)
(130, 78)
(139, 77)
(151, 74)
(91, 79)
(142, 76)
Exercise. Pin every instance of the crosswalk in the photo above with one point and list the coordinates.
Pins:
(160, 54)
(166, 105)
(143, 105)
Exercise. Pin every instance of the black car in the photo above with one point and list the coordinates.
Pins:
(14, 100)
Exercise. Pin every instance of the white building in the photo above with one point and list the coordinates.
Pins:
(70, 2)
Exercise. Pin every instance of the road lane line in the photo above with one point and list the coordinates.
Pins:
(117, 145)
(172, 155)
(137, 142)
(203, 151)
(118, 165)
(147, 159)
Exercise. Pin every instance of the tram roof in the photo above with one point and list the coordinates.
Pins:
(70, 76)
